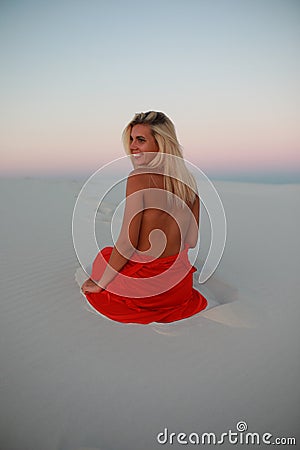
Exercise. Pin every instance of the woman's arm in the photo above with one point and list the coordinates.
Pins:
(129, 235)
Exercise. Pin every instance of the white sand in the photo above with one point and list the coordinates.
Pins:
(72, 380)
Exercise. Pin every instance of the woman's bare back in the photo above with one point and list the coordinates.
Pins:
(164, 228)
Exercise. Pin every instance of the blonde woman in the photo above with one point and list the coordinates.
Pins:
(147, 277)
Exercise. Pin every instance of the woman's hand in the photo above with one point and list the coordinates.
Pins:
(90, 286)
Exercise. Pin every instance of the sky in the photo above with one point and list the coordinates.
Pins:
(73, 74)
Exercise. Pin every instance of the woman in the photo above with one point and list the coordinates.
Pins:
(147, 277)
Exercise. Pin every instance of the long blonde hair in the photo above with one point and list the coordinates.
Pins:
(177, 178)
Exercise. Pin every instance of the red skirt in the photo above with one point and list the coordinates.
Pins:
(145, 291)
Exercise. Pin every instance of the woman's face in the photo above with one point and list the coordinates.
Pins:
(143, 146)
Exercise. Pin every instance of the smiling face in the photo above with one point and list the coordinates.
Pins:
(143, 146)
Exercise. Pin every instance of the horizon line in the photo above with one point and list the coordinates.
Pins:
(251, 176)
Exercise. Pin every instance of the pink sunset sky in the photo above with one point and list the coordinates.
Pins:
(74, 73)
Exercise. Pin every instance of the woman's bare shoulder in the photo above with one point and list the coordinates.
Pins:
(140, 176)
(142, 171)
(137, 179)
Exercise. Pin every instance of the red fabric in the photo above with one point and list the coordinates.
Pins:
(129, 297)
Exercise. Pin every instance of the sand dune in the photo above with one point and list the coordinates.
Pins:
(73, 380)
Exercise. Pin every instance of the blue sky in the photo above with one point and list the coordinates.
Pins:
(75, 72)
